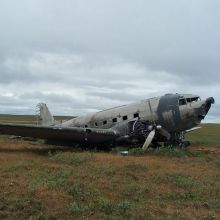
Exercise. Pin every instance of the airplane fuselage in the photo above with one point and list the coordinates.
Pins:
(174, 112)
(154, 120)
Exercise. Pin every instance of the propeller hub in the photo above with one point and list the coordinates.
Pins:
(158, 127)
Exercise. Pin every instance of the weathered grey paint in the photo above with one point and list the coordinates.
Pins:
(168, 112)
(164, 111)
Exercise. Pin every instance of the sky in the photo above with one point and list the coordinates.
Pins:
(81, 56)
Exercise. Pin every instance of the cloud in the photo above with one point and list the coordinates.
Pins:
(81, 56)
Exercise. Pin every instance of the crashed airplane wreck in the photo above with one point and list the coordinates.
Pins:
(147, 122)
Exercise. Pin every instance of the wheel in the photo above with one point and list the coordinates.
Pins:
(184, 144)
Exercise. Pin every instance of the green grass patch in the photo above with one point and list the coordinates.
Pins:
(71, 157)
(50, 177)
(181, 196)
(169, 151)
(108, 207)
(105, 205)
(137, 151)
(102, 205)
(81, 192)
(208, 135)
(156, 179)
(213, 204)
(83, 197)
(77, 207)
(181, 180)
(87, 199)
(175, 152)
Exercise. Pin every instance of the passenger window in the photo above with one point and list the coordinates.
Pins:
(104, 122)
(136, 115)
(86, 126)
(114, 120)
(96, 124)
(125, 117)
(182, 102)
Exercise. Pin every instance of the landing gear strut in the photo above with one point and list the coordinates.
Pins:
(178, 139)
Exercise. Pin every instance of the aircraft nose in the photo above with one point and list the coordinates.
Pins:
(210, 101)
(205, 107)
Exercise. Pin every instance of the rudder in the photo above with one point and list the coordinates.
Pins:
(44, 115)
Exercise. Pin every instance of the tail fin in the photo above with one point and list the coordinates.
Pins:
(44, 115)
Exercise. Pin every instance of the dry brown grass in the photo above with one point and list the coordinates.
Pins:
(39, 181)
(34, 179)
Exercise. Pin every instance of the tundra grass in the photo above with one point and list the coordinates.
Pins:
(209, 134)
(39, 181)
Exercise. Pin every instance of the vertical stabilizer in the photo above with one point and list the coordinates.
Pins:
(44, 115)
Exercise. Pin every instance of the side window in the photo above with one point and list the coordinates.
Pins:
(125, 117)
(96, 124)
(114, 120)
(188, 100)
(182, 102)
(104, 122)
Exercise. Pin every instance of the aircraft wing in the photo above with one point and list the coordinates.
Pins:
(71, 134)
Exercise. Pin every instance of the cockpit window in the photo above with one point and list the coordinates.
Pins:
(193, 99)
(182, 102)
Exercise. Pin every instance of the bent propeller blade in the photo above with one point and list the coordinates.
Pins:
(148, 139)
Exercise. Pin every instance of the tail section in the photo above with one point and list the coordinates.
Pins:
(44, 115)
